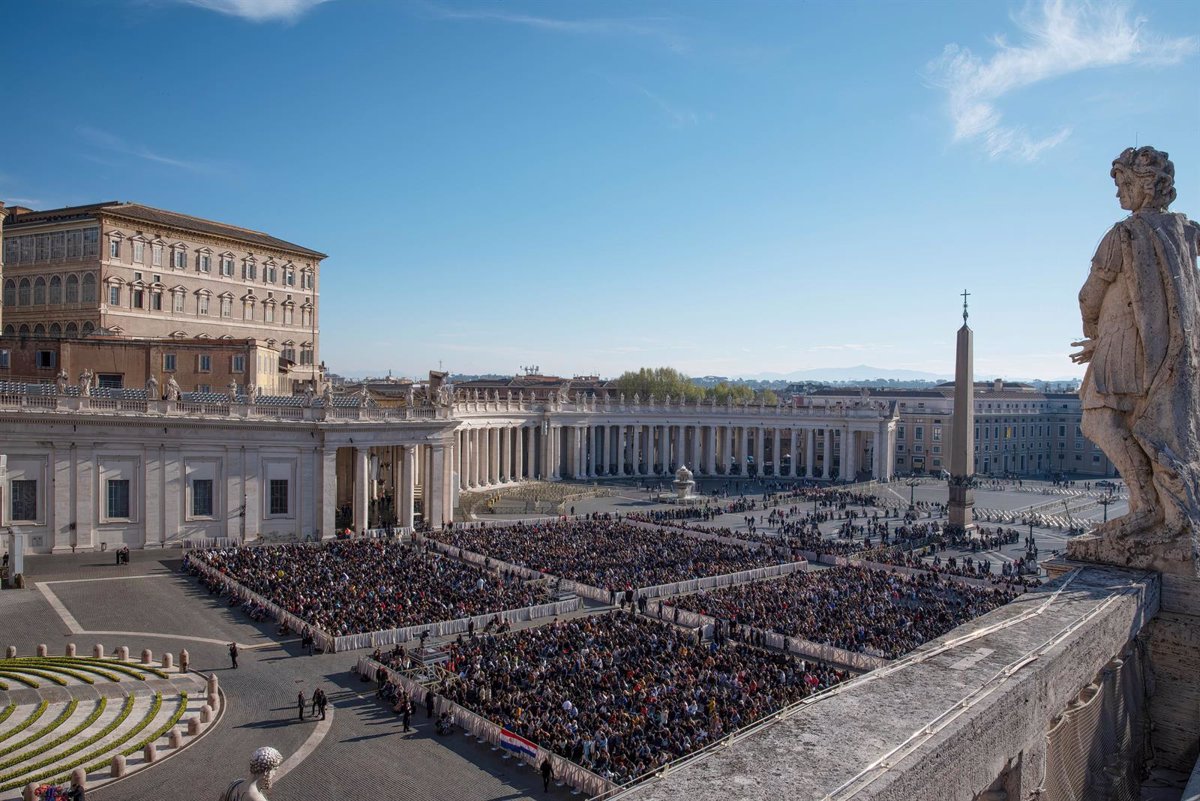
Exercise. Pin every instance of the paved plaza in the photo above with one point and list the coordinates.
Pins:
(359, 750)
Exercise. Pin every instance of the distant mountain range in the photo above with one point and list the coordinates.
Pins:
(860, 372)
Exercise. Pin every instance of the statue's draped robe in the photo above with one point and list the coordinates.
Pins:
(1146, 364)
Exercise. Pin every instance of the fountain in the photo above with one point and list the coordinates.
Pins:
(685, 487)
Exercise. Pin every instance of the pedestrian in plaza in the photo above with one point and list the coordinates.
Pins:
(547, 774)
(407, 715)
(316, 701)
(300, 705)
(428, 704)
(324, 702)
(233, 654)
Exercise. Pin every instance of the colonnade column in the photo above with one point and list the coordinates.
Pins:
(727, 449)
(531, 452)
(505, 455)
(759, 450)
(494, 456)
(810, 451)
(710, 451)
(518, 453)
(651, 456)
(827, 458)
(362, 487)
(845, 455)
(408, 483)
(744, 450)
(794, 452)
(636, 449)
(775, 457)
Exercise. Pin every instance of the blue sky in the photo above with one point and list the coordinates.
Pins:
(724, 187)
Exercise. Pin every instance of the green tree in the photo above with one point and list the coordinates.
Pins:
(659, 382)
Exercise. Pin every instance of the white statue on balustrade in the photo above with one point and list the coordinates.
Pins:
(173, 392)
(85, 382)
(152, 388)
(61, 382)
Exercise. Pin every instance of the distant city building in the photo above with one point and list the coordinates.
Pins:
(1019, 430)
(131, 271)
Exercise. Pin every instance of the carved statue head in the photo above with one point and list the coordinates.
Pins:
(1145, 179)
(263, 765)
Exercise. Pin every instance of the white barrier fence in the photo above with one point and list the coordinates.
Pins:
(323, 640)
(806, 648)
(462, 625)
(471, 557)
(483, 729)
(727, 580)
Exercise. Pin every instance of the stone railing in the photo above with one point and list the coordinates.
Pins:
(76, 404)
(479, 407)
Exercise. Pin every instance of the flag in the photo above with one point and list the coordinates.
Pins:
(518, 745)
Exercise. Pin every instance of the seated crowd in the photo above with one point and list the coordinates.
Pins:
(620, 694)
(357, 586)
(854, 608)
(606, 552)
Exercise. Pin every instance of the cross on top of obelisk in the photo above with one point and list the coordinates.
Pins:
(965, 293)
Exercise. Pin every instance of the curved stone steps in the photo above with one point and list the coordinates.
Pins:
(11, 753)
(24, 721)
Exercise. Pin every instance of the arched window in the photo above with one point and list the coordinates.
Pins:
(72, 330)
(88, 327)
(9, 331)
(89, 287)
(39, 331)
(55, 330)
(72, 288)
(56, 291)
(24, 292)
(39, 291)
(24, 330)
(10, 293)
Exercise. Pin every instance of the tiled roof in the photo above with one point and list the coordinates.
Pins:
(153, 216)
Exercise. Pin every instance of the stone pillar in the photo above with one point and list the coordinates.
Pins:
(810, 450)
(710, 451)
(852, 451)
(760, 449)
(494, 455)
(635, 449)
(531, 452)
(651, 454)
(362, 487)
(408, 484)
(519, 453)
(775, 444)
(794, 451)
(827, 456)
(505, 455)
(961, 508)
(435, 487)
(744, 449)
(594, 454)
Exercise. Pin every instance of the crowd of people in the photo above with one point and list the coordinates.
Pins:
(606, 552)
(1012, 574)
(878, 612)
(357, 586)
(620, 694)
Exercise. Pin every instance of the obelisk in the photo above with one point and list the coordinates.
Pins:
(962, 455)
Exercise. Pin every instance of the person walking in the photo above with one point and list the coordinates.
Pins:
(407, 715)
(547, 774)
(324, 702)
(233, 654)
(316, 701)
(429, 704)
(300, 705)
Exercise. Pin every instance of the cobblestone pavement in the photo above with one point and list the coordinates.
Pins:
(365, 753)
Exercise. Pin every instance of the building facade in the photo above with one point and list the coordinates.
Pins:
(131, 271)
(1019, 430)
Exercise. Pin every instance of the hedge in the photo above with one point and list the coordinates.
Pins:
(29, 721)
(17, 746)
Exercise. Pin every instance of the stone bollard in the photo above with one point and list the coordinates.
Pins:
(175, 739)
(29, 793)
(42, 650)
(168, 661)
(98, 651)
(150, 753)
(123, 653)
(212, 683)
(10, 652)
(206, 714)
(118, 767)
(147, 656)
(79, 776)
(70, 649)
(214, 701)
(184, 660)
(193, 727)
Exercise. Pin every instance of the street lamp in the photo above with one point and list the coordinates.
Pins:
(1105, 501)
(912, 491)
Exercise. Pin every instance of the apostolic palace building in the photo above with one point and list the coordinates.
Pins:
(160, 382)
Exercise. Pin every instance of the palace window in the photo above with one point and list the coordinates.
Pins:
(10, 293)
(56, 291)
(202, 497)
(89, 287)
(177, 301)
(288, 314)
(269, 312)
(139, 252)
(249, 270)
(5, 359)
(202, 304)
(114, 248)
(238, 364)
(204, 263)
(156, 301)
(24, 500)
(137, 298)
(39, 291)
(58, 245)
(156, 255)
(169, 362)
(91, 242)
(114, 295)
(227, 266)
(279, 497)
(46, 359)
(118, 498)
(179, 258)
(226, 307)
(248, 309)
(203, 363)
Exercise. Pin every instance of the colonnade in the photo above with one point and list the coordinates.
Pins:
(391, 484)
(495, 454)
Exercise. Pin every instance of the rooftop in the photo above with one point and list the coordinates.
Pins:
(137, 212)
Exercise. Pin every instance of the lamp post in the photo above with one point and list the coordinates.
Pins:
(912, 491)
(1105, 501)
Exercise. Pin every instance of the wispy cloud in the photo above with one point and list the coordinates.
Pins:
(678, 116)
(1060, 37)
(116, 144)
(259, 10)
(661, 30)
